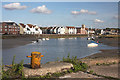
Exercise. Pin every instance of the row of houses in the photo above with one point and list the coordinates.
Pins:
(14, 28)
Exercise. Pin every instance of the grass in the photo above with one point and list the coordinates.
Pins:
(77, 65)
(91, 71)
(15, 71)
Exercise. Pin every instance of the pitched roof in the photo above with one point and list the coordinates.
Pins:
(70, 27)
(54, 27)
(50, 27)
(78, 27)
(22, 25)
(86, 28)
(30, 25)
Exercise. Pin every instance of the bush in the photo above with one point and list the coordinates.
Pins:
(91, 71)
(77, 65)
(15, 71)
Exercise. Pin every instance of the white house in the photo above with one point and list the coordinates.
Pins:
(27, 29)
(71, 30)
(55, 30)
(60, 30)
(37, 30)
(30, 29)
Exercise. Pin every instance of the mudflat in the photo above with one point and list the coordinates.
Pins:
(11, 43)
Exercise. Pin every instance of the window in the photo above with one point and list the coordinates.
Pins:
(36, 29)
(28, 29)
(5, 26)
(1, 29)
(5, 29)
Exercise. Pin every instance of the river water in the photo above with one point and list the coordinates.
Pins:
(53, 49)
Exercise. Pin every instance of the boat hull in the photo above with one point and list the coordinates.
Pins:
(92, 45)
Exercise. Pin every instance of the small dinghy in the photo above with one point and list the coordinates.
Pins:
(43, 39)
(47, 38)
(92, 44)
(88, 38)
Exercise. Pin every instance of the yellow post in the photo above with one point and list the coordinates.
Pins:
(35, 59)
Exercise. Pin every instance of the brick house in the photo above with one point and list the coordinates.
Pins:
(9, 28)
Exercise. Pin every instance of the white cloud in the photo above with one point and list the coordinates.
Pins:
(75, 12)
(83, 11)
(41, 9)
(98, 21)
(14, 6)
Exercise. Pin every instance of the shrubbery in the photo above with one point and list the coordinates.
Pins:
(15, 71)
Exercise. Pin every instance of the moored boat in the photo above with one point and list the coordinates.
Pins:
(47, 38)
(92, 44)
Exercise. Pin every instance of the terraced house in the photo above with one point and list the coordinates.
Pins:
(29, 29)
(9, 28)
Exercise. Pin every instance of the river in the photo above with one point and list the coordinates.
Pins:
(53, 49)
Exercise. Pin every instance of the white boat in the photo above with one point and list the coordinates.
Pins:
(88, 38)
(33, 41)
(43, 39)
(47, 38)
(39, 39)
(92, 44)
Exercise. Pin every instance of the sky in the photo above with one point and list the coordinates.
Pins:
(92, 14)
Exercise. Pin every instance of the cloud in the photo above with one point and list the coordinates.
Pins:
(14, 6)
(75, 12)
(98, 21)
(41, 9)
(83, 11)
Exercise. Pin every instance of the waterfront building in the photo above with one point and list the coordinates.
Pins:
(44, 30)
(49, 30)
(29, 29)
(22, 26)
(60, 30)
(9, 27)
(83, 30)
(55, 30)
(71, 30)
